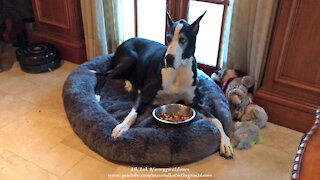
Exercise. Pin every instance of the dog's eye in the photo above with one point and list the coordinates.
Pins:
(182, 40)
(169, 39)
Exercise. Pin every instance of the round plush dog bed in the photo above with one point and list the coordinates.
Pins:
(147, 142)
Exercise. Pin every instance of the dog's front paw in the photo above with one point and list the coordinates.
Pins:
(119, 130)
(226, 148)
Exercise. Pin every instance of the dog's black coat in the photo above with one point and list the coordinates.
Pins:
(137, 58)
(146, 142)
(140, 61)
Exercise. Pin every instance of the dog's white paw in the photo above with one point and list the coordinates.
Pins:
(226, 149)
(120, 129)
(128, 86)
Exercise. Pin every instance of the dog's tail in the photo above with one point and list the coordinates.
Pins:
(99, 73)
(101, 80)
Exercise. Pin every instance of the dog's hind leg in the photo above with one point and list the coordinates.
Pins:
(122, 62)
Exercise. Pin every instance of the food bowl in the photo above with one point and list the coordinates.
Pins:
(173, 108)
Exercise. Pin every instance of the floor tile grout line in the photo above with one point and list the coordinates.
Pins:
(30, 162)
(24, 113)
(57, 77)
(91, 155)
(60, 142)
(83, 156)
(50, 111)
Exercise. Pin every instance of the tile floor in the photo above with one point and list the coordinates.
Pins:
(37, 142)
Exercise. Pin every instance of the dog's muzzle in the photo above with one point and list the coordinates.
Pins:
(169, 60)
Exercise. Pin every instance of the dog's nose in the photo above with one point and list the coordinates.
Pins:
(169, 60)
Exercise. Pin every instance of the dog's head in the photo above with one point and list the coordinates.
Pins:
(181, 41)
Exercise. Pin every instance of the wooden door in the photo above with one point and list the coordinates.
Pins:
(290, 91)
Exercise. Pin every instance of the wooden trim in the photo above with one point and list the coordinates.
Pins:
(178, 9)
(208, 69)
(222, 32)
(288, 35)
(224, 2)
(285, 111)
(136, 17)
(298, 84)
(293, 103)
(42, 19)
(73, 51)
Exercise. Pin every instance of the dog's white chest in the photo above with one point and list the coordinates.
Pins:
(177, 84)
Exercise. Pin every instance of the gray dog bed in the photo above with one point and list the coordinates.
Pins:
(147, 142)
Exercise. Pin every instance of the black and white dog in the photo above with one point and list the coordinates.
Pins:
(162, 74)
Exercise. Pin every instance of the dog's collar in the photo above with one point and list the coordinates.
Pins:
(225, 84)
(252, 103)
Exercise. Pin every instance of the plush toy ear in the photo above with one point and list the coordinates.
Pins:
(247, 81)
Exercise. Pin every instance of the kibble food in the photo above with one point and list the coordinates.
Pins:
(174, 117)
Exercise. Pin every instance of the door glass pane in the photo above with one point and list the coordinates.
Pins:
(208, 37)
(126, 22)
(152, 19)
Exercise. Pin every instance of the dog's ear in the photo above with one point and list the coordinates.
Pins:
(247, 81)
(169, 20)
(195, 24)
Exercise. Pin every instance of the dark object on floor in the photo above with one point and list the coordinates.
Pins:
(148, 142)
(7, 56)
(38, 58)
(1, 49)
(29, 24)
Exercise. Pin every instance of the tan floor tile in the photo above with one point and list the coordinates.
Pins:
(6, 80)
(65, 69)
(55, 77)
(12, 108)
(89, 169)
(263, 161)
(13, 167)
(281, 138)
(58, 76)
(19, 86)
(75, 142)
(59, 159)
(2, 94)
(46, 96)
(15, 71)
(34, 134)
